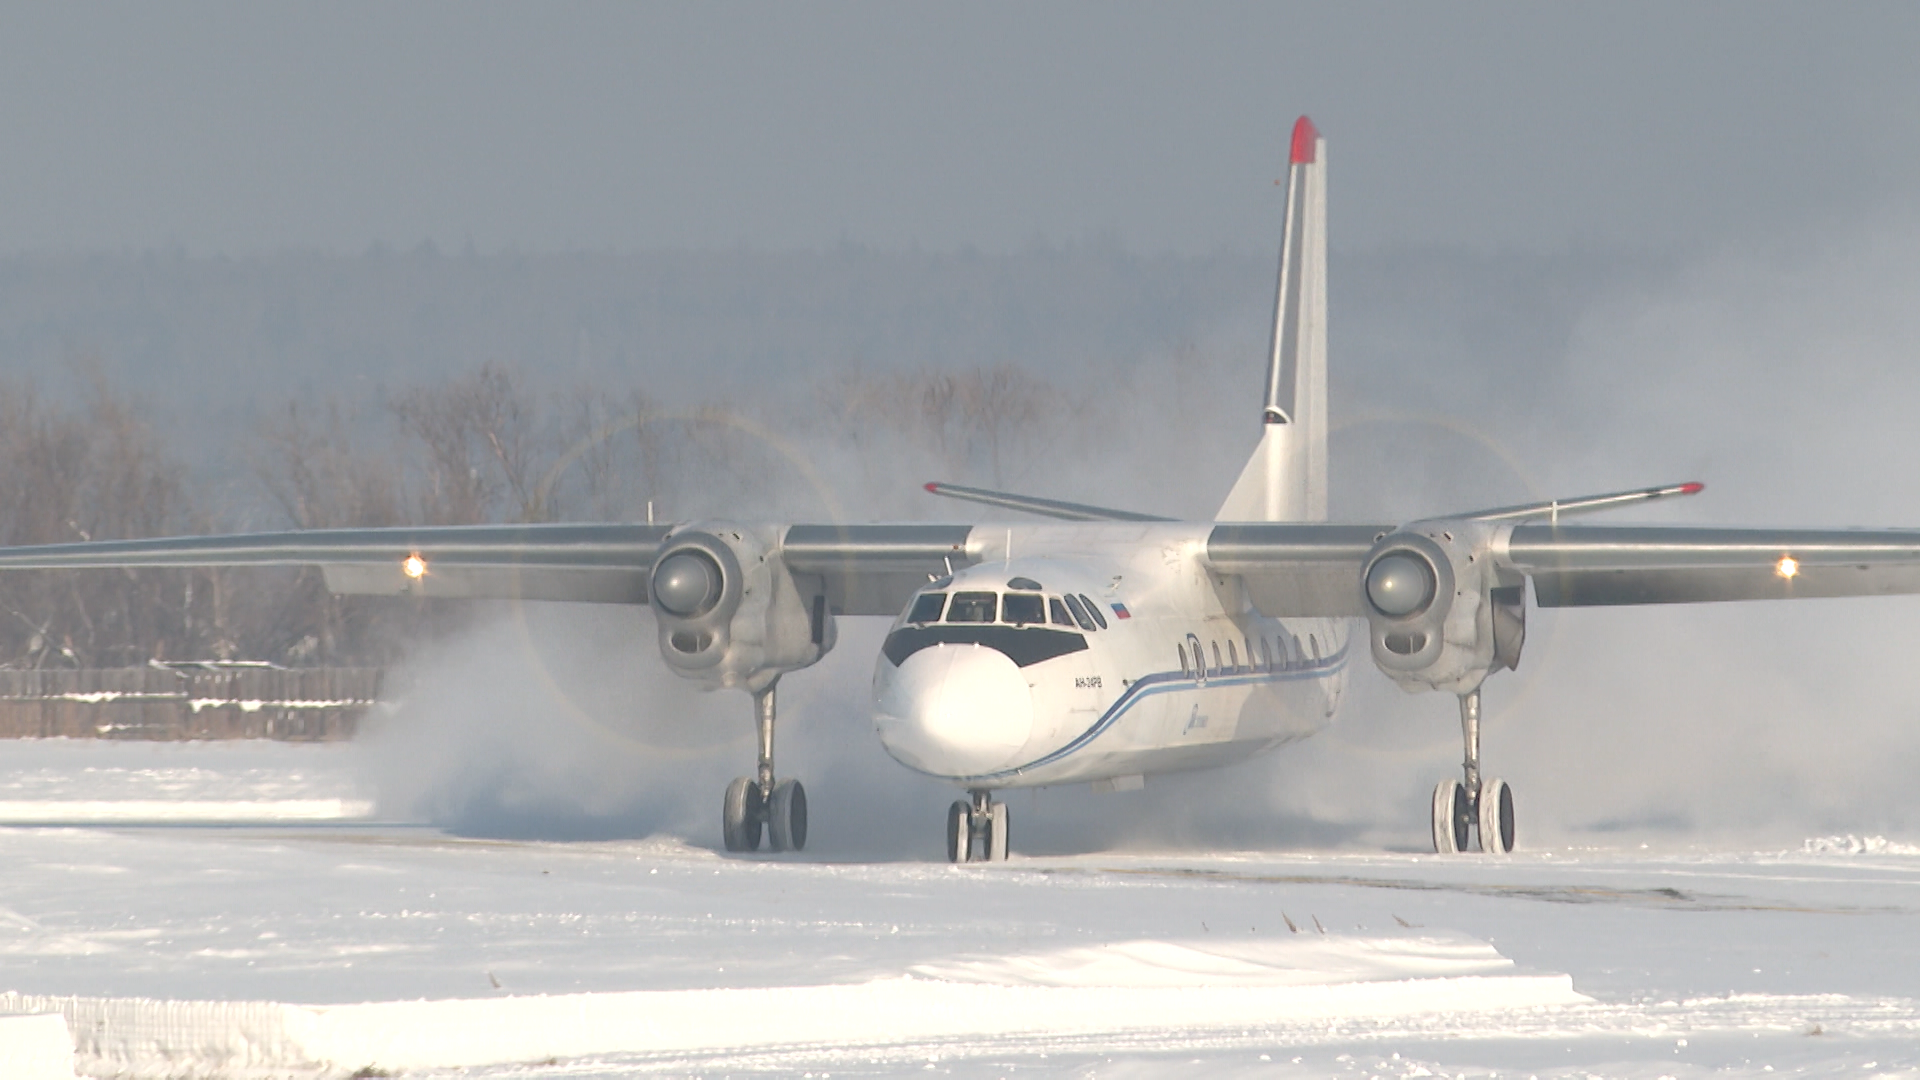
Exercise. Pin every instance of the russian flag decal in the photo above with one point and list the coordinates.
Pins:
(1121, 611)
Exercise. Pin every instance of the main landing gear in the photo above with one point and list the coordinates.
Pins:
(754, 802)
(977, 829)
(1482, 806)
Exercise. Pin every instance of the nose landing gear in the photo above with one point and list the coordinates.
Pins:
(756, 801)
(977, 830)
(1485, 806)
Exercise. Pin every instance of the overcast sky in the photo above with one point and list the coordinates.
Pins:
(237, 128)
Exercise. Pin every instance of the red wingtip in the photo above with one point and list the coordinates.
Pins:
(1693, 488)
(1304, 138)
(933, 487)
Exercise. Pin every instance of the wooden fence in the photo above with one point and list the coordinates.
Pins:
(187, 702)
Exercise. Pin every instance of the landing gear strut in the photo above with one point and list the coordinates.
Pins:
(977, 829)
(759, 801)
(1485, 806)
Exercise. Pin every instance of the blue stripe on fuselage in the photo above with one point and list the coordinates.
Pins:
(1163, 682)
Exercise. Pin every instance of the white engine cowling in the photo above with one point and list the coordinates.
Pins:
(1441, 614)
(731, 614)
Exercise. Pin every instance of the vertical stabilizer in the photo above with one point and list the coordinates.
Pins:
(1286, 479)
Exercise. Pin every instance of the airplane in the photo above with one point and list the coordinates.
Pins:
(1101, 646)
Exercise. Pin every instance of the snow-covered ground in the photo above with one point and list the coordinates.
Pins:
(246, 938)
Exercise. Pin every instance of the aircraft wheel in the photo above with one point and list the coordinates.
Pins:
(740, 815)
(1496, 817)
(959, 831)
(997, 833)
(1450, 817)
(787, 817)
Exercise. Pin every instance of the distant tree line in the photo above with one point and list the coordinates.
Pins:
(485, 447)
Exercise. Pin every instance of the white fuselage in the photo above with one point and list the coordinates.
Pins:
(999, 683)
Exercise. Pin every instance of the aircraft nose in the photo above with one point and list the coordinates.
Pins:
(953, 710)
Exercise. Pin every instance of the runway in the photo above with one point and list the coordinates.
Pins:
(467, 952)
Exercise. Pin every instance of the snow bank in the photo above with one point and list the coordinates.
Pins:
(1299, 961)
(1138, 987)
(1858, 845)
(35, 1047)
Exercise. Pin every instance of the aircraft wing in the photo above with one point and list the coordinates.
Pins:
(1302, 569)
(1296, 569)
(1585, 567)
(866, 569)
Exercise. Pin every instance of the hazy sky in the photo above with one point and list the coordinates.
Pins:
(244, 127)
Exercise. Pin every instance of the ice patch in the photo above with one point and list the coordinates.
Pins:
(1858, 845)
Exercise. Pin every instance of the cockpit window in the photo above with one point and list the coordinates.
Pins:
(1024, 584)
(1023, 608)
(1093, 609)
(926, 607)
(1059, 612)
(1079, 612)
(972, 607)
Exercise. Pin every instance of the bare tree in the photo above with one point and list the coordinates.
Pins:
(479, 439)
(972, 420)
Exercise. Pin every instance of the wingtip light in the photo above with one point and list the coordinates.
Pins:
(932, 487)
(1692, 488)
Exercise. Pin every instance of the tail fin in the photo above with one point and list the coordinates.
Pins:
(1286, 480)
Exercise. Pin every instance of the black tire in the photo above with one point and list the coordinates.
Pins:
(787, 817)
(959, 831)
(740, 815)
(1452, 824)
(1496, 817)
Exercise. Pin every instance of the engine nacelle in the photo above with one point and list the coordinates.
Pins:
(730, 612)
(1441, 614)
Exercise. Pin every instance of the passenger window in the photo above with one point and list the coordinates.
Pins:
(972, 607)
(926, 607)
(1023, 608)
(1094, 610)
(1079, 612)
(1233, 658)
(1186, 669)
(1059, 612)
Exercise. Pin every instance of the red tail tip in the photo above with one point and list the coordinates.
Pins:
(934, 487)
(1305, 135)
(1693, 488)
